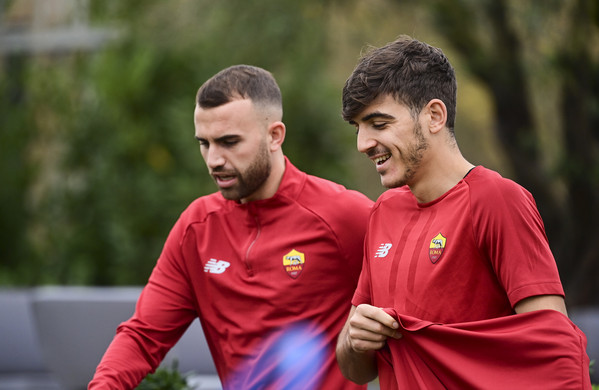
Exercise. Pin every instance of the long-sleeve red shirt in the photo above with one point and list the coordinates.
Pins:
(283, 268)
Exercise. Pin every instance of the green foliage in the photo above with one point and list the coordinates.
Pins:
(98, 148)
(164, 379)
(97, 155)
(16, 133)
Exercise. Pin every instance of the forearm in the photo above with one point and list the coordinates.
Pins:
(359, 367)
(542, 302)
(123, 366)
(141, 342)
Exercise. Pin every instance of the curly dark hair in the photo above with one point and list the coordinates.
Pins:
(411, 71)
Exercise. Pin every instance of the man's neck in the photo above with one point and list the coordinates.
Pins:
(438, 177)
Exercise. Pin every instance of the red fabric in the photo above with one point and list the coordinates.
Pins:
(492, 252)
(535, 350)
(248, 304)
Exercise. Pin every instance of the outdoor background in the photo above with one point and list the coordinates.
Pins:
(97, 149)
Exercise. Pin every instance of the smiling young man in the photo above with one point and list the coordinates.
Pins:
(268, 264)
(453, 251)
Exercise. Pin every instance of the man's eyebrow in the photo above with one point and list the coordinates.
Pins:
(227, 137)
(224, 138)
(377, 115)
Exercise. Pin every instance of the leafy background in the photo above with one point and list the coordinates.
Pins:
(98, 159)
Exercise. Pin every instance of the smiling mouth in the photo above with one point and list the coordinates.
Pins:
(380, 160)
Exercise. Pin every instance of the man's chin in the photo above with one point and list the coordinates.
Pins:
(230, 194)
(392, 183)
(385, 182)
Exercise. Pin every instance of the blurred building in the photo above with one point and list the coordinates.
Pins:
(34, 27)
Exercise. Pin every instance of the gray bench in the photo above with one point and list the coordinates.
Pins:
(21, 363)
(54, 337)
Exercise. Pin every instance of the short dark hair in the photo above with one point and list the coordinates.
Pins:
(411, 71)
(240, 82)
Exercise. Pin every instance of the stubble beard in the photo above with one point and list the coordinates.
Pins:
(412, 158)
(250, 181)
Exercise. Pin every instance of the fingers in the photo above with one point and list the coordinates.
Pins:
(369, 328)
(386, 324)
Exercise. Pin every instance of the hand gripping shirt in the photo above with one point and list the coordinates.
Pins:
(270, 280)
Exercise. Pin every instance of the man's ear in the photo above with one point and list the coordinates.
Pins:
(276, 133)
(437, 112)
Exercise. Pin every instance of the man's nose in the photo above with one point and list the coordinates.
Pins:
(214, 157)
(365, 141)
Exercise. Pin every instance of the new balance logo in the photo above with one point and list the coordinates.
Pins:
(383, 250)
(216, 266)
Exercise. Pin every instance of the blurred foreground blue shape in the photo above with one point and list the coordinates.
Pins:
(288, 360)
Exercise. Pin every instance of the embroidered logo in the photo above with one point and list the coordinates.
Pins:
(383, 250)
(293, 262)
(216, 266)
(436, 247)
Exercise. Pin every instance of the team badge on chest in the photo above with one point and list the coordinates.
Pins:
(293, 262)
(436, 247)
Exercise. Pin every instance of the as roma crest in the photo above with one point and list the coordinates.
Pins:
(294, 263)
(436, 247)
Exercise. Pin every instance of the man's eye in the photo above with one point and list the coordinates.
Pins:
(379, 125)
(230, 142)
(202, 142)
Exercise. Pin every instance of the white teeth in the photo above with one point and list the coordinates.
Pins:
(382, 159)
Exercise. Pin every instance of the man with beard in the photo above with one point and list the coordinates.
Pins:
(268, 264)
(457, 268)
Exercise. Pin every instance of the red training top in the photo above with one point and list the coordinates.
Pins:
(469, 255)
(536, 350)
(261, 276)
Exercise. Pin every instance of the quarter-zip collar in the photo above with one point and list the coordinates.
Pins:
(258, 213)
